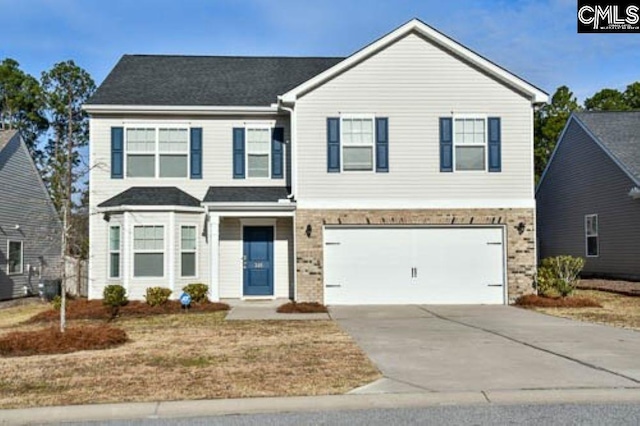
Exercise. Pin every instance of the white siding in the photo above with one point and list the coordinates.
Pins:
(217, 166)
(231, 251)
(413, 83)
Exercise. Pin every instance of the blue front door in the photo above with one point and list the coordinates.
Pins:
(258, 261)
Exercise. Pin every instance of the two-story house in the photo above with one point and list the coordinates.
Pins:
(400, 174)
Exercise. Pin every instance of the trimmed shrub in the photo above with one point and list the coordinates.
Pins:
(559, 275)
(157, 296)
(114, 296)
(197, 291)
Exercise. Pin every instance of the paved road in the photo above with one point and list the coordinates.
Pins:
(537, 415)
(484, 348)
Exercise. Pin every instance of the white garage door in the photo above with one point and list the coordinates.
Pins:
(407, 265)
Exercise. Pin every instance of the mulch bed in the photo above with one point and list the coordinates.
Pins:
(82, 309)
(51, 341)
(627, 288)
(302, 308)
(534, 301)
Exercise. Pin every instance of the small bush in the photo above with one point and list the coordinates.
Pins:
(56, 302)
(197, 291)
(114, 296)
(157, 296)
(558, 275)
(531, 300)
(301, 308)
(52, 341)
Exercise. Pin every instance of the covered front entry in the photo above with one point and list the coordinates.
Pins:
(413, 265)
(257, 260)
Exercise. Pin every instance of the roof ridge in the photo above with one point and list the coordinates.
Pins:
(178, 55)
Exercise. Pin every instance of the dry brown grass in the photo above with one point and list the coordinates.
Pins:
(186, 356)
(617, 310)
(13, 315)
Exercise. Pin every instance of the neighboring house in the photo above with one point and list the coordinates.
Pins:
(30, 230)
(400, 174)
(589, 198)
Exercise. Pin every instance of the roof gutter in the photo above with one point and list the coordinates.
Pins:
(179, 109)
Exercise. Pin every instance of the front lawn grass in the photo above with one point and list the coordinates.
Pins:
(190, 356)
(617, 310)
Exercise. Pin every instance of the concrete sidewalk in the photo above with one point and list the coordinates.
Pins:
(201, 408)
(256, 310)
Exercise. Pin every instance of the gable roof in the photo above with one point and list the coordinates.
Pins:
(617, 133)
(152, 196)
(164, 80)
(417, 26)
(246, 194)
(5, 137)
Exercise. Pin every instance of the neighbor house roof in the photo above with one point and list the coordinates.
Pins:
(5, 137)
(163, 80)
(152, 196)
(248, 194)
(619, 132)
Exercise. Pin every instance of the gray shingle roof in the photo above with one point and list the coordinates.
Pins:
(5, 137)
(152, 196)
(619, 132)
(205, 80)
(248, 194)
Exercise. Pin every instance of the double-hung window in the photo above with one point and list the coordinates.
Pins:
(148, 251)
(188, 249)
(174, 152)
(258, 152)
(470, 144)
(141, 152)
(157, 152)
(591, 235)
(357, 143)
(114, 252)
(15, 259)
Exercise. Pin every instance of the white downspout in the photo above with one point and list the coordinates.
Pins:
(294, 182)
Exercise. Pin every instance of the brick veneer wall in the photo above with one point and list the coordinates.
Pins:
(521, 256)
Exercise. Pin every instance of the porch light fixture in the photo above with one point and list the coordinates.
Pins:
(521, 227)
(308, 230)
(106, 217)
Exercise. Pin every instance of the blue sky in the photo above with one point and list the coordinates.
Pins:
(535, 39)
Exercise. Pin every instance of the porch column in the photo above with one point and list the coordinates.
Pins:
(214, 261)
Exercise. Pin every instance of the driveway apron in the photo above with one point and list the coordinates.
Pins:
(478, 348)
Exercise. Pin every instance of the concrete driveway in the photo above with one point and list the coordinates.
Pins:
(478, 348)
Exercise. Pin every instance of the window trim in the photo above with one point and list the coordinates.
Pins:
(156, 152)
(371, 117)
(454, 143)
(134, 251)
(21, 272)
(269, 128)
(587, 236)
(111, 251)
(194, 251)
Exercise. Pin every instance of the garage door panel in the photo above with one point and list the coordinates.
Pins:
(413, 265)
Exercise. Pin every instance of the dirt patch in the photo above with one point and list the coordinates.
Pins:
(532, 300)
(617, 310)
(184, 356)
(82, 309)
(53, 341)
(302, 308)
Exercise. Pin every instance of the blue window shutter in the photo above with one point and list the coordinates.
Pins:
(446, 144)
(333, 145)
(495, 149)
(277, 153)
(196, 153)
(117, 153)
(382, 145)
(238, 152)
